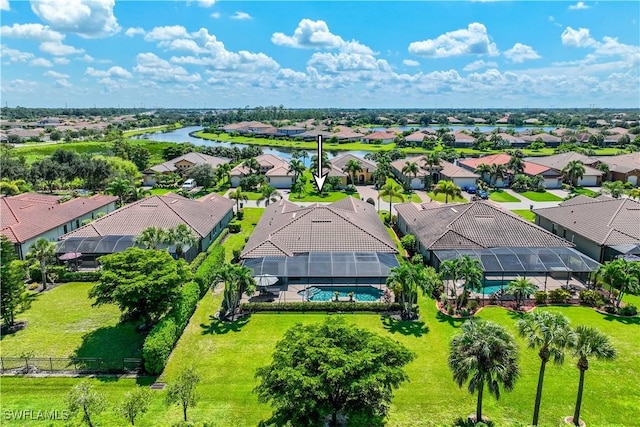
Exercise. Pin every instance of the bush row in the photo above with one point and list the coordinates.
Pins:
(63, 275)
(320, 306)
(207, 271)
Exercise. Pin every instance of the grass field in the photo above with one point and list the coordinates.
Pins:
(544, 196)
(62, 322)
(135, 132)
(502, 197)
(248, 223)
(526, 214)
(413, 197)
(441, 198)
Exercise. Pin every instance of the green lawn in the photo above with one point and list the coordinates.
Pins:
(134, 132)
(543, 196)
(248, 223)
(311, 195)
(585, 192)
(62, 322)
(526, 214)
(502, 197)
(413, 197)
(161, 191)
(441, 198)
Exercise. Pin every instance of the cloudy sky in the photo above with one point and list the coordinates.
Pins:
(365, 54)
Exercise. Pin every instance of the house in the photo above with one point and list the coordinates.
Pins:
(625, 168)
(463, 140)
(558, 162)
(598, 227)
(363, 176)
(290, 130)
(115, 232)
(513, 140)
(504, 243)
(381, 137)
(419, 136)
(242, 128)
(549, 140)
(49, 122)
(344, 243)
(346, 134)
(454, 121)
(181, 165)
(313, 134)
(444, 171)
(273, 167)
(28, 217)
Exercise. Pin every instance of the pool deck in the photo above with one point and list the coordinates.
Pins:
(573, 284)
(289, 293)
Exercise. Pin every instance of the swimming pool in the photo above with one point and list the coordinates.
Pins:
(493, 286)
(327, 293)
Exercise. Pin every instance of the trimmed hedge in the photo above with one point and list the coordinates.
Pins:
(63, 275)
(591, 298)
(197, 261)
(218, 240)
(186, 306)
(320, 306)
(158, 345)
(207, 271)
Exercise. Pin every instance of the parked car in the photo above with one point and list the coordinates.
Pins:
(483, 194)
(189, 184)
(471, 189)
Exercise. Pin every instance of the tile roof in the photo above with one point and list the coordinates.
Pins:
(379, 135)
(624, 163)
(475, 225)
(341, 161)
(193, 157)
(606, 221)
(165, 211)
(560, 160)
(270, 161)
(446, 169)
(29, 215)
(530, 168)
(348, 225)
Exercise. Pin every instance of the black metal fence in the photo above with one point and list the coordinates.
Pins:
(71, 365)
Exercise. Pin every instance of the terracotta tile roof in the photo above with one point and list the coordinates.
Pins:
(165, 211)
(559, 161)
(543, 136)
(474, 225)
(347, 133)
(607, 221)
(463, 137)
(265, 161)
(530, 168)
(624, 163)
(194, 158)
(348, 225)
(29, 215)
(379, 135)
(341, 161)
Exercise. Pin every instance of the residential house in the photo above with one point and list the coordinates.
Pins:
(419, 136)
(592, 176)
(27, 217)
(454, 121)
(363, 176)
(381, 137)
(181, 165)
(552, 178)
(463, 139)
(625, 168)
(549, 140)
(601, 228)
(346, 134)
(115, 232)
(291, 130)
(273, 167)
(444, 171)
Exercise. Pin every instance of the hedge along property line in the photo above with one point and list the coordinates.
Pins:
(63, 275)
(331, 307)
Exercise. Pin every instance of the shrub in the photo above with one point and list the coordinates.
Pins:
(240, 215)
(371, 201)
(473, 306)
(610, 309)
(34, 273)
(185, 307)
(234, 227)
(629, 310)
(540, 297)
(236, 254)
(205, 274)
(197, 261)
(80, 276)
(320, 306)
(591, 298)
(409, 243)
(158, 345)
(350, 188)
(559, 296)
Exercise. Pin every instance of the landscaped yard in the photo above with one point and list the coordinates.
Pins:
(526, 214)
(502, 197)
(161, 191)
(585, 192)
(541, 196)
(248, 223)
(311, 195)
(441, 198)
(62, 322)
(413, 197)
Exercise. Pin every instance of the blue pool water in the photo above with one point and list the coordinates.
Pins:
(493, 286)
(361, 293)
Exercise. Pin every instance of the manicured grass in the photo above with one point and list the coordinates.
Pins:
(252, 195)
(311, 195)
(248, 223)
(585, 192)
(161, 191)
(544, 196)
(154, 129)
(441, 198)
(526, 214)
(62, 322)
(502, 197)
(413, 197)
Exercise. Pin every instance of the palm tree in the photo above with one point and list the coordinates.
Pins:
(324, 164)
(621, 275)
(406, 280)
(550, 333)
(520, 288)
(391, 190)
(180, 237)
(431, 161)
(223, 172)
(352, 167)
(151, 237)
(141, 193)
(471, 271)
(238, 195)
(268, 194)
(448, 188)
(614, 189)
(410, 168)
(120, 187)
(43, 252)
(604, 168)
(253, 165)
(573, 171)
(297, 168)
(497, 171)
(237, 281)
(516, 165)
(449, 271)
(299, 186)
(484, 353)
(590, 342)
(484, 170)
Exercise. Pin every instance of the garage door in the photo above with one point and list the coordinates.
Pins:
(633, 180)
(464, 182)
(552, 182)
(588, 181)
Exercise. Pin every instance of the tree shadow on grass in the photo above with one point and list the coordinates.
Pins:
(453, 321)
(219, 327)
(626, 320)
(404, 327)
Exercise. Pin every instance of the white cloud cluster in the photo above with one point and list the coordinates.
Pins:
(579, 6)
(56, 75)
(520, 53)
(113, 72)
(41, 62)
(134, 31)
(14, 55)
(577, 38)
(87, 18)
(241, 16)
(472, 40)
(479, 64)
(410, 63)
(309, 35)
(149, 65)
(50, 40)
(4, 5)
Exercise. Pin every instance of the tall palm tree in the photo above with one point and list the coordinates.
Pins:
(180, 237)
(268, 194)
(590, 342)
(471, 271)
(223, 172)
(324, 164)
(520, 288)
(352, 167)
(484, 353)
(237, 281)
(253, 165)
(484, 170)
(299, 186)
(549, 332)
(614, 189)
(410, 168)
(391, 190)
(621, 275)
(151, 237)
(431, 162)
(573, 171)
(449, 189)
(120, 187)
(516, 165)
(406, 280)
(238, 195)
(497, 171)
(296, 167)
(42, 252)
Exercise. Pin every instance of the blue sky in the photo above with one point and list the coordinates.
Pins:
(365, 54)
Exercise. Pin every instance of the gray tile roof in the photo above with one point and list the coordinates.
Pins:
(194, 158)
(624, 163)
(604, 221)
(561, 160)
(475, 225)
(275, 166)
(446, 169)
(348, 225)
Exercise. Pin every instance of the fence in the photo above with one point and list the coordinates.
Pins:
(71, 365)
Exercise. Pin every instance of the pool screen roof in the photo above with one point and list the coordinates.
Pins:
(514, 260)
(325, 264)
(95, 244)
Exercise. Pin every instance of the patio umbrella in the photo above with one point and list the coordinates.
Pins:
(264, 280)
(69, 256)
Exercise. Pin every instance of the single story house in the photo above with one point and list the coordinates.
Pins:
(625, 168)
(27, 217)
(273, 167)
(463, 140)
(290, 130)
(363, 176)
(117, 231)
(444, 171)
(379, 137)
(346, 134)
(181, 165)
(549, 140)
(592, 176)
(252, 127)
(596, 226)
(419, 136)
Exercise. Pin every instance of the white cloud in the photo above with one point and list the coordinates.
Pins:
(87, 18)
(14, 55)
(309, 34)
(479, 64)
(61, 60)
(62, 83)
(4, 5)
(520, 53)
(554, 22)
(577, 38)
(41, 62)
(150, 66)
(472, 40)
(134, 31)
(215, 15)
(37, 32)
(241, 16)
(206, 3)
(579, 6)
(56, 75)
(410, 63)
(168, 32)
(18, 86)
(58, 49)
(113, 72)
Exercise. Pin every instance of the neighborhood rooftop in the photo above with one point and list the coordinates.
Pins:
(192, 158)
